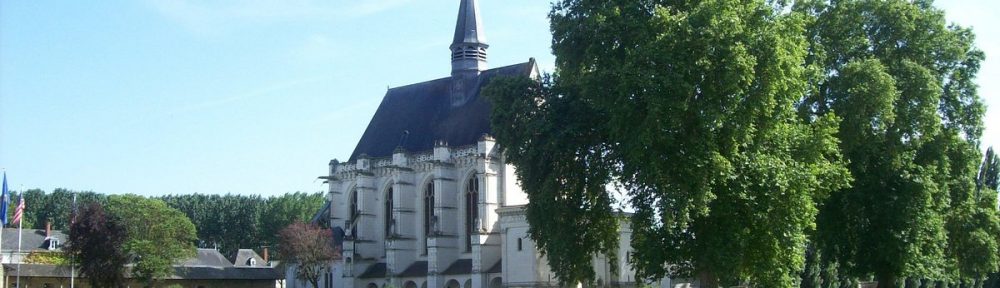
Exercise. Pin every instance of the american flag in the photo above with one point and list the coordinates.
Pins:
(19, 211)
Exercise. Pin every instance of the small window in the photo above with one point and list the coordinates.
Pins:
(252, 262)
(519, 244)
(53, 243)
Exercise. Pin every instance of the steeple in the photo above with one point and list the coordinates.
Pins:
(468, 49)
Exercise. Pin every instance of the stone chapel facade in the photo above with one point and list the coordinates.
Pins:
(426, 198)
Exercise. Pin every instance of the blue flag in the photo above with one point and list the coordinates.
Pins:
(3, 202)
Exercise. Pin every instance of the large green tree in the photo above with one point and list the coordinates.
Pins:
(688, 107)
(902, 80)
(157, 236)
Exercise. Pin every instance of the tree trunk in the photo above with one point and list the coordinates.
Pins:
(707, 280)
(886, 280)
(314, 281)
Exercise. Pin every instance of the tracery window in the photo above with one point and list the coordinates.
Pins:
(354, 213)
(388, 213)
(471, 211)
(428, 212)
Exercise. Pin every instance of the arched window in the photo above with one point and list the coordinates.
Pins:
(471, 211)
(354, 213)
(428, 212)
(388, 213)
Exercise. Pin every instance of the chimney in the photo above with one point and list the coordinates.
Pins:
(266, 261)
(48, 229)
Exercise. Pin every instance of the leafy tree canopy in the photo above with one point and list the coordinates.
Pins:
(157, 236)
(902, 81)
(688, 106)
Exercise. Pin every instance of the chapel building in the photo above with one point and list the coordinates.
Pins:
(427, 199)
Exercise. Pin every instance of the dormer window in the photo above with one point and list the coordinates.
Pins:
(53, 243)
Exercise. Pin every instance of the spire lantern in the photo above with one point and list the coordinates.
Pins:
(468, 49)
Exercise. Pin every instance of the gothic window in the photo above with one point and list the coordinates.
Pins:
(388, 213)
(428, 212)
(471, 211)
(354, 212)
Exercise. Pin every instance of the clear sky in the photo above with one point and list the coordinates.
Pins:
(252, 97)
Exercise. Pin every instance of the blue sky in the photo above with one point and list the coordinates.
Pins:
(251, 97)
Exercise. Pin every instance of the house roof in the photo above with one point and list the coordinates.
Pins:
(189, 273)
(207, 258)
(416, 116)
(31, 239)
(207, 264)
(244, 255)
(36, 270)
(241, 273)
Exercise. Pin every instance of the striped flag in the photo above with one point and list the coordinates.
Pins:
(20, 210)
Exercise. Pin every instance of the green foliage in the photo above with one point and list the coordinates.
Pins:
(231, 222)
(228, 222)
(989, 173)
(689, 107)
(55, 208)
(902, 81)
(158, 236)
(562, 163)
(49, 258)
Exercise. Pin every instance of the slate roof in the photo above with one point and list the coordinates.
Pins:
(233, 273)
(417, 269)
(460, 266)
(415, 116)
(243, 255)
(497, 268)
(31, 239)
(208, 264)
(36, 270)
(376, 270)
(469, 28)
(207, 258)
(188, 273)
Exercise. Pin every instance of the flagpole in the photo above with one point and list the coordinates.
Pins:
(3, 222)
(72, 261)
(20, 227)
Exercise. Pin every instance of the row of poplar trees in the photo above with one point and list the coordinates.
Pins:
(227, 222)
(748, 134)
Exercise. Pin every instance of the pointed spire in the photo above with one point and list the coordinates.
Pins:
(469, 26)
(468, 49)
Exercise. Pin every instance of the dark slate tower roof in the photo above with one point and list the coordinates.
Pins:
(469, 28)
(415, 116)
(449, 110)
(468, 48)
